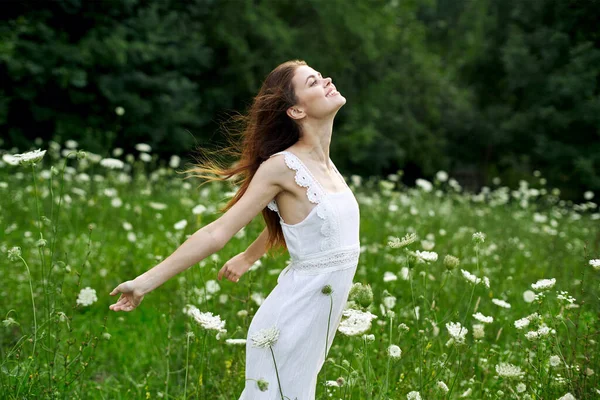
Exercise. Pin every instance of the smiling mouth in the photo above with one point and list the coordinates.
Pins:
(332, 93)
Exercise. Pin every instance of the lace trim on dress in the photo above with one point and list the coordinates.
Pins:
(273, 206)
(304, 178)
(316, 194)
(331, 238)
(332, 261)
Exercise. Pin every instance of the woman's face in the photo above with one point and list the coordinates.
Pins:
(317, 96)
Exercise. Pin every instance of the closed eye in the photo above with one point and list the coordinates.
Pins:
(315, 81)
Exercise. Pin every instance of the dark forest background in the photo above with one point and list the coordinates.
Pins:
(478, 88)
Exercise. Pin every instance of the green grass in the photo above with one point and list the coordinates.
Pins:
(95, 353)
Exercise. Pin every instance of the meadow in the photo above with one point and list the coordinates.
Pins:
(489, 295)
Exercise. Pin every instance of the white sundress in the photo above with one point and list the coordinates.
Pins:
(324, 250)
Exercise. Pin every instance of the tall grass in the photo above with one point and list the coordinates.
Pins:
(104, 226)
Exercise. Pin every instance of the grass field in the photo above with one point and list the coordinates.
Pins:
(69, 223)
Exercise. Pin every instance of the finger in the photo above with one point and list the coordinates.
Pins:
(121, 302)
(121, 306)
(233, 277)
(115, 291)
(227, 272)
(221, 271)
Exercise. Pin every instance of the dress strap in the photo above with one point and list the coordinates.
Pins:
(303, 178)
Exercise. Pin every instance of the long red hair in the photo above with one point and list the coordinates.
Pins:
(264, 130)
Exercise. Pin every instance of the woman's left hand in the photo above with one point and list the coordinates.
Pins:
(131, 296)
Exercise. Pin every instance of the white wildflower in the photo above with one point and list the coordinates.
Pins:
(478, 237)
(405, 241)
(478, 331)
(543, 284)
(480, 317)
(212, 286)
(14, 253)
(501, 303)
(470, 277)
(112, 163)
(145, 157)
(29, 158)
(427, 256)
(486, 282)
(206, 320)
(143, 147)
(180, 224)
(199, 209)
(595, 264)
(414, 395)
(265, 337)
(10, 159)
(443, 387)
(116, 202)
(235, 341)
(424, 184)
(174, 161)
(87, 296)
(532, 335)
(509, 370)
(370, 338)
(522, 323)
(567, 396)
(457, 332)
(554, 361)
(427, 245)
(528, 296)
(389, 302)
(442, 176)
(258, 298)
(356, 323)
(9, 322)
(394, 351)
(389, 276)
(157, 206)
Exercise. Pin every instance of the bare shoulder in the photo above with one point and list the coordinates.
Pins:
(275, 170)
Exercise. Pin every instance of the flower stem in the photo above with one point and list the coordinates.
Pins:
(34, 321)
(187, 356)
(327, 340)
(276, 372)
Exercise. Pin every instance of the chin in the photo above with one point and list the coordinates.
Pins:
(342, 102)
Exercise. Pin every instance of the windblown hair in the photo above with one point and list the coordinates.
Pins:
(265, 129)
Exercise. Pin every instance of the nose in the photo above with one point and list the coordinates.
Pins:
(328, 80)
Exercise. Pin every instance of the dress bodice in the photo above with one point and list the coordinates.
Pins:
(330, 231)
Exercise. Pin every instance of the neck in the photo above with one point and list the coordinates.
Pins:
(315, 139)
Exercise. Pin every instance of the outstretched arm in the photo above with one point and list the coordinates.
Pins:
(265, 185)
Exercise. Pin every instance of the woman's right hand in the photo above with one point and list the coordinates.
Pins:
(131, 296)
(235, 267)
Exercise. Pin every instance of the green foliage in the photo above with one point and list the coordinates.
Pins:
(493, 87)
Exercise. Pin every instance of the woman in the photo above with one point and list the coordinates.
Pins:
(308, 209)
